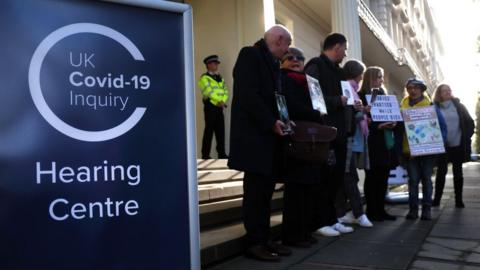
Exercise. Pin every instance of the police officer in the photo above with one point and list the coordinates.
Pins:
(215, 96)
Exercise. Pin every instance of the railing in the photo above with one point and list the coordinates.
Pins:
(400, 55)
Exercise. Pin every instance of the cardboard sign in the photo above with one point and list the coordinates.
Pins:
(423, 131)
(347, 90)
(384, 108)
(316, 95)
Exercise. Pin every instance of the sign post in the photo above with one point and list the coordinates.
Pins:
(97, 146)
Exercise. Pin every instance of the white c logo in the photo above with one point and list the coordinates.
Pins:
(39, 100)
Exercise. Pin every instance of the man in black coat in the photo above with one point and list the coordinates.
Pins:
(255, 136)
(327, 71)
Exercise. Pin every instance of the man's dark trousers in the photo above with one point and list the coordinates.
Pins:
(257, 194)
(214, 123)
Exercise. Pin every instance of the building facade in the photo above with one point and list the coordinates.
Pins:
(397, 35)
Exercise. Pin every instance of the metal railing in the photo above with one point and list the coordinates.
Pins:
(401, 55)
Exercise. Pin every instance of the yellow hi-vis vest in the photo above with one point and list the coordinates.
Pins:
(212, 90)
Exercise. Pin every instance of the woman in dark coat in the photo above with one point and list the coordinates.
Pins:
(460, 128)
(379, 150)
(302, 179)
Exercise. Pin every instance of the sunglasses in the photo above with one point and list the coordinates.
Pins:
(412, 87)
(294, 58)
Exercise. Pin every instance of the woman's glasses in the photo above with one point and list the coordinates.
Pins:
(294, 58)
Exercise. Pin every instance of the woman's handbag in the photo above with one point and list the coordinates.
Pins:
(310, 141)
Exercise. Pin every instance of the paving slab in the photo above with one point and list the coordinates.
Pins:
(460, 216)
(297, 257)
(400, 211)
(459, 231)
(360, 254)
(435, 265)
(317, 266)
(405, 234)
(451, 249)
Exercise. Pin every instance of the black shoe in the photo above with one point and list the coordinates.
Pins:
(278, 249)
(206, 157)
(412, 215)
(459, 204)
(435, 203)
(222, 156)
(261, 253)
(387, 216)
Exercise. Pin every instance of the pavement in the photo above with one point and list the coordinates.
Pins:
(450, 241)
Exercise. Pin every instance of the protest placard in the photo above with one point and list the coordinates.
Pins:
(385, 108)
(423, 131)
(316, 95)
(347, 91)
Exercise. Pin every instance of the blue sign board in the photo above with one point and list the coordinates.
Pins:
(97, 159)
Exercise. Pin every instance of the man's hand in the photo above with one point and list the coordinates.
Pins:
(387, 125)
(221, 105)
(278, 128)
(367, 108)
(358, 106)
(391, 125)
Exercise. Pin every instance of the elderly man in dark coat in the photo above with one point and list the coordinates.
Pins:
(255, 136)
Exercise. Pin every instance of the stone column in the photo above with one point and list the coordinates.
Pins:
(382, 13)
(345, 20)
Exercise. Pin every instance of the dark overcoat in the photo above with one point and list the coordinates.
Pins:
(329, 75)
(254, 146)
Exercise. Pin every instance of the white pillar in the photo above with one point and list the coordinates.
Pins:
(268, 14)
(345, 20)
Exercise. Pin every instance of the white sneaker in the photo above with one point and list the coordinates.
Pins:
(339, 227)
(328, 231)
(363, 221)
(347, 219)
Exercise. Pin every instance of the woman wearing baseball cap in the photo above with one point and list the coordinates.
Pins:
(419, 168)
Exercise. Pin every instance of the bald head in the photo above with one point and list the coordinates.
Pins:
(278, 39)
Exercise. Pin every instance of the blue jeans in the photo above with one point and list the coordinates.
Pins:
(420, 169)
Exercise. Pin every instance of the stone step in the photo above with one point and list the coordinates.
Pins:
(222, 191)
(218, 176)
(211, 164)
(226, 241)
(227, 211)
(218, 191)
